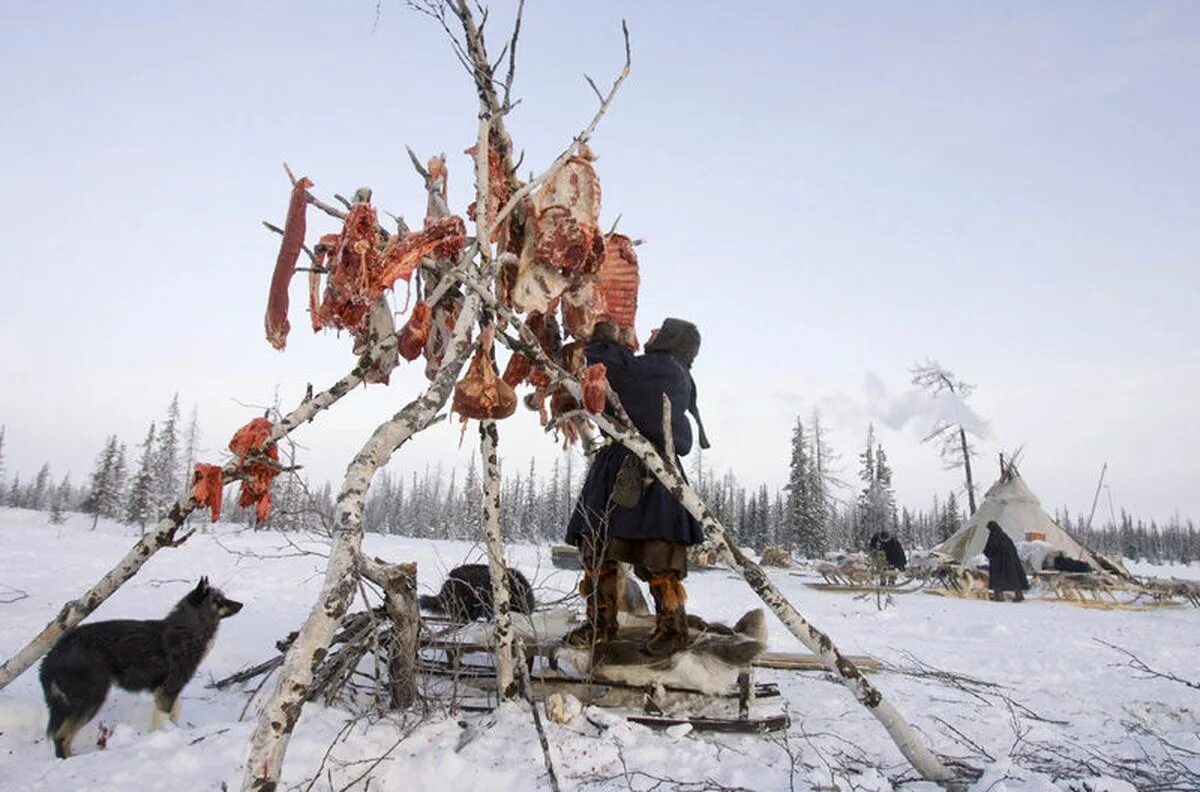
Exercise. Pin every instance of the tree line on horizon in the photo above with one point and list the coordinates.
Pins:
(817, 513)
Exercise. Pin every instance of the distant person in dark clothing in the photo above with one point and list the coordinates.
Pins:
(1005, 572)
(893, 551)
(626, 514)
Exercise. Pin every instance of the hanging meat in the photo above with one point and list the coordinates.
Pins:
(481, 394)
(352, 260)
(257, 472)
(441, 325)
(517, 370)
(566, 215)
(595, 387)
(498, 190)
(207, 481)
(616, 285)
(581, 307)
(276, 321)
(440, 239)
(561, 237)
(416, 331)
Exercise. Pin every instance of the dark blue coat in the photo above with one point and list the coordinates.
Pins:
(639, 382)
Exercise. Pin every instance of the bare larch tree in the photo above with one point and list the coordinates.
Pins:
(950, 435)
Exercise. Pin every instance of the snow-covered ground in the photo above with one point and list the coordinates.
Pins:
(1059, 695)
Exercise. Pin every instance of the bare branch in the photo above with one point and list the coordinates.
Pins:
(1144, 670)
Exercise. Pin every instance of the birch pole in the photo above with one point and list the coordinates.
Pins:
(489, 435)
(505, 684)
(163, 535)
(278, 718)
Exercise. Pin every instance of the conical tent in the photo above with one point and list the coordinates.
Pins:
(1012, 505)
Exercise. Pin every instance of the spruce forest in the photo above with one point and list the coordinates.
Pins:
(827, 506)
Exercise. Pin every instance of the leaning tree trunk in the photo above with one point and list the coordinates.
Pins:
(162, 536)
(279, 716)
(505, 681)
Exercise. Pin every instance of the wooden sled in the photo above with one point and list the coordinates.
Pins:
(707, 685)
(844, 588)
(1132, 605)
(747, 709)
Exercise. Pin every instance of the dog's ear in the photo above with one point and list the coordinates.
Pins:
(198, 594)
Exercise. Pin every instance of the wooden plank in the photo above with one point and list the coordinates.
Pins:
(792, 661)
(735, 725)
(555, 679)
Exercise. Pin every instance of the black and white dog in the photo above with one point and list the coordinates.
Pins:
(158, 655)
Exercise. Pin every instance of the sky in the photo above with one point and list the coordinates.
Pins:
(832, 192)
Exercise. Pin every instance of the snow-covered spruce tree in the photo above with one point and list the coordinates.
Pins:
(823, 468)
(797, 489)
(104, 488)
(60, 501)
(951, 435)
(876, 500)
(164, 488)
(806, 496)
(870, 516)
(15, 493)
(191, 450)
(949, 520)
(139, 504)
(1, 465)
(472, 514)
(883, 479)
(39, 493)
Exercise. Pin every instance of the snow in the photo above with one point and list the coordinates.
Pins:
(1045, 657)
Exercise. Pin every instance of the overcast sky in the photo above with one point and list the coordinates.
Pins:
(832, 192)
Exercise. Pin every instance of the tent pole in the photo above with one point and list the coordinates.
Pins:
(1096, 497)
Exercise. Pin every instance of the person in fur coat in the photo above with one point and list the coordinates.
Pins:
(1005, 572)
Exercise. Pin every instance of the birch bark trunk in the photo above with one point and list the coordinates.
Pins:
(278, 719)
(505, 680)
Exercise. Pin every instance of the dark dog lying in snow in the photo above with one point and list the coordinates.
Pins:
(467, 594)
(160, 655)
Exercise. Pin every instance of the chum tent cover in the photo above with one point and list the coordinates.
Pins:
(1017, 510)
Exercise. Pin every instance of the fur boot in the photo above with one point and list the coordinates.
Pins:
(599, 589)
(670, 629)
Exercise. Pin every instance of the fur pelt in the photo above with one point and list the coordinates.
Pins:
(710, 662)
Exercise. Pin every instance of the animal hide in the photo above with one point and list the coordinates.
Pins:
(710, 663)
